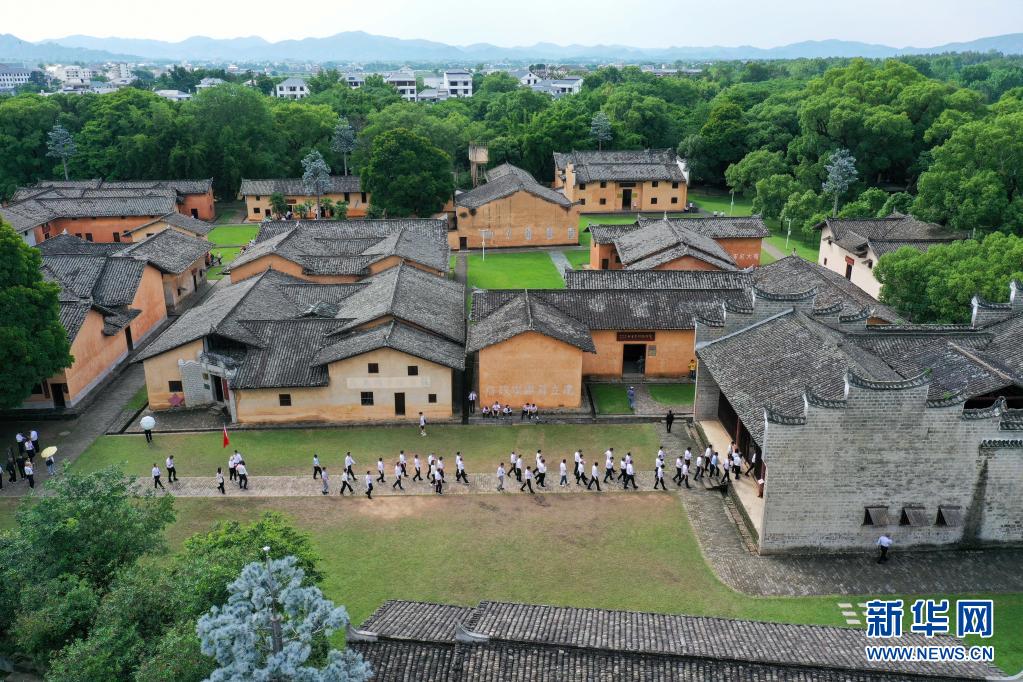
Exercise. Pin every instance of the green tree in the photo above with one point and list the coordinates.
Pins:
(278, 204)
(600, 129)
(900, 202)
(772, 193)
(754, 167)
(869, 204)
(60, 145)
(53, 613)
(407, 175)
(33, 343)
(803, 212)
(324, 80)
(975, 182)
(496, 83)
(343, 142)
(937, 285)
(24, 122)
(341, 210)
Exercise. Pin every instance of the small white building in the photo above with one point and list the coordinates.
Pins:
(458, 83)
(354, 79)
(174, 95)
(525, 77)
(209, 83)
(559, 87)
(404, 82)
(292, 88)
(13, 76)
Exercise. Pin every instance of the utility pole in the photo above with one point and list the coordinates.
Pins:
(788, 234)
(731, 206)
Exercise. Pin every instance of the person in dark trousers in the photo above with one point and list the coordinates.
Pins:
(518, 469)
(243, 475)
(500, 477)
(317, 469)
(580, 474)
(369, 486)
(403, 463)
(669, 419)
(677, 478)
(149, 435)
(232, 464)
(418, 466)
(528, 476)
(380, 470)
(630, 476)
(659, 477)
(472, 402)
(460, 469)
(752, 463)
(438, 481)
(346, 483)
(883, 543)
(156, 478)
(685, 476)
(541, 473)
(21, 463)
(349, 462)
(30, 475)
(594, 477)
(12, 467)
(34, 437)
(220, 481)
(397, 478)
(172, 473)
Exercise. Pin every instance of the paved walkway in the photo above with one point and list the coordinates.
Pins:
(773, 250)
(561, 262)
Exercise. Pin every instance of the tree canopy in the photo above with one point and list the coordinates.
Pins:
(407, 175)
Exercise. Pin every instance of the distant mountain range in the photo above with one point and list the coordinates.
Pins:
(357, 46)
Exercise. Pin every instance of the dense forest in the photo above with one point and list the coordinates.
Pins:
(937, 135)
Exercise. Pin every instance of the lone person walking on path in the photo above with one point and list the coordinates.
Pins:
(422, 425)
(460, 469)
(883, 543)
(349, 463)
(500, 477)
(669, 419)
(317, 469)
(220, 481)
(564, 473)
(156, 478)
(172, 473)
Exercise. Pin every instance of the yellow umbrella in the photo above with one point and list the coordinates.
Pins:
(50, 451)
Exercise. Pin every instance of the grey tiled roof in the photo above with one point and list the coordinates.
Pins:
(625, 166)
(72, 316)
(327, 247)
(504, 181)
(179, 186)
(185, 222)
(659, 279)
(741, 227)
(563, 313)
(532, 642)
(855, 234)
(293, 186)
(65, 244)
(656, 242)
(292, 327)
(170, 251)
(792, 273)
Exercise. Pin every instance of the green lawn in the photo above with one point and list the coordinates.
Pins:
(138, 401)
(290, 452)
(718, 200)
(672, 394)
(610, 398)
(229, 253)
(578, 257)
(766, 258)
(233, 235)
(514, 271)
(803, 250)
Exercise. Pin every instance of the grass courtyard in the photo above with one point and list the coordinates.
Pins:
(533, 270)
(578, 258)
(228, 253)
(233, 235)
(672, 394)
(610, 399)
(803, 250)
(709, 199)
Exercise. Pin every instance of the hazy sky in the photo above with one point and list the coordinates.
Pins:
(649, 23)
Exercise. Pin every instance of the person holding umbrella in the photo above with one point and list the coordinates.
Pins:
(148, 423)
(48, 454)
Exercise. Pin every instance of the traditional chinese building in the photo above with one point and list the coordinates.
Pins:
(622, 181)
(342, 188)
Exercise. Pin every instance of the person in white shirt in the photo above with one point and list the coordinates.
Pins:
(594, 477)
(397, 477)
(563, 467)
(659, 477)
(438, 480)
(156, 478)
(883, 543)
(440, 466)
(687, 457)
(539, 456)
(349, 463)
(380, 470)
(685, 476)
(402, 462)
(243, 475)
(369, 486)
(517, 466)
(659, 462)
(660, 453)
(630, 476)
(736, 464)
(472, 402)
(430, 459)
(609, 466)
(30, 450)
(500, 477)
(346, 482)
(422, 424)
(541, 473)
(417, 465)
(172, 473)
(220, 481)
(576, 470)
(678, 470)
(325, 479)
(20, 439)
(460, 469)
(232, 463)
(752, 463)
(33, 436)
(621, 468)
(30, 474)
(706, 458)
(699, 468)
(528, 475)
(317, 469)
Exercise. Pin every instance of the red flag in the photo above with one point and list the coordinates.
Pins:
(227, 441)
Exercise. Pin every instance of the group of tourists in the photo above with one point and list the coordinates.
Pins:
(21, 459)
(496, 410)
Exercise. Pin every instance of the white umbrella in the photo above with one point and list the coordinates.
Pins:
(147, 423)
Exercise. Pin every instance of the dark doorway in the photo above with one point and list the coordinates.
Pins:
(58, 395)
(195, 281)
(127, 337)
(463, 243)
(626, 199)
(195, 213)
(633, 358)
(218, 388)
(603, 264)
(848, 271)
(399, 404)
